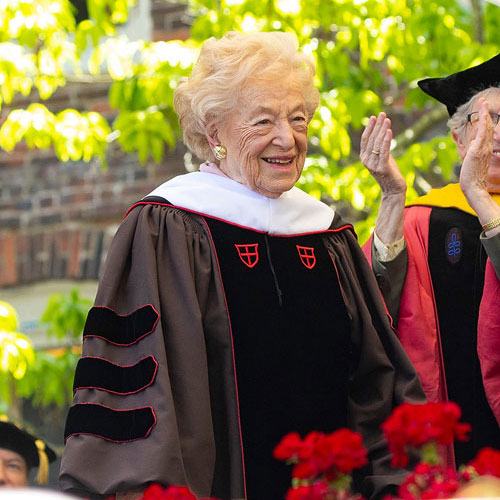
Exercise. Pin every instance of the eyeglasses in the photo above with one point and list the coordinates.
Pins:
(473, 118)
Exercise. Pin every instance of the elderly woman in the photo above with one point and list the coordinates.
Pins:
(233, 307)
(449, 315)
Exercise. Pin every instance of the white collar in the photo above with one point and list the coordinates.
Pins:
(294, 212)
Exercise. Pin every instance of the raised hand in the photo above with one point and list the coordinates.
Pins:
(474, 171)
(376, 157)
(473, 174)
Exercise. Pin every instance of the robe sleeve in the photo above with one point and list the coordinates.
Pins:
(141, 388)
(488, 338)
(390, 277)
(382, 376)
(492, 247)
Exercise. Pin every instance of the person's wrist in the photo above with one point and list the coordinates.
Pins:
(394, 197)
(492, 224)
(475, 192)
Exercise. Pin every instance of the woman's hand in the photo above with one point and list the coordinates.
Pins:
(376, 157)
(473, 174)
(475, 166)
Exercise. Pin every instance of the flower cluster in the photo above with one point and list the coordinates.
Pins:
(158, 492)
(416, 425)
(429, 481)
(322, 463)
(320, 490)
(486, 463)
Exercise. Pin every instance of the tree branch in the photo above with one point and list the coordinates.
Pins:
(477, 15)
(413, 134)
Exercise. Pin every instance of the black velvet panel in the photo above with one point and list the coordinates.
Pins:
(98, 373)
(291, 337)
(457, 264)
(118, 426)
(120, 330)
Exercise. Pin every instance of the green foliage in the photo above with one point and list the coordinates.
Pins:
(42, 47)
(16, 351)
(50, 380)
(369, 57)
(65, 315)
(73, 135)
(46, 377)
(16, 354)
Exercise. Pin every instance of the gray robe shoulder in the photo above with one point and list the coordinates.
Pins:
(149, 407)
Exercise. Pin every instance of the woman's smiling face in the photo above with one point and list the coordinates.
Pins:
(266, 137)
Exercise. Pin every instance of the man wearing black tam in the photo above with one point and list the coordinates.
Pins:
(437, 260)
(19, 452)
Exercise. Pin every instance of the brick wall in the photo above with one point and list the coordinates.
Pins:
(57, 219)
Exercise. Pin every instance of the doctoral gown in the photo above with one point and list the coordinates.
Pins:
(449, 314)
(224, 320)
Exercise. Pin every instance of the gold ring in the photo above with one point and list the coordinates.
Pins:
(375, 152)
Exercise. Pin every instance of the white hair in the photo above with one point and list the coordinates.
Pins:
(458, 122)
(225, 68)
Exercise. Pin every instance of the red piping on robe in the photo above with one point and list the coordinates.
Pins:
(418, 325)
(488, 338)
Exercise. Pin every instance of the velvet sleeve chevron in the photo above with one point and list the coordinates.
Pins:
(142, 388)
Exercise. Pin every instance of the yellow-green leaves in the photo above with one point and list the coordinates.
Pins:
(16, 354)
(65, 314)
(35, 46)
(49, 380)
(16, 69)
(108, 13)
(73, 135)
(32, 23)
(16, 351)
(144, 132)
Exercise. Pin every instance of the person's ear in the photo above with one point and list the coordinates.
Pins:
(461, 147)
(212, 135)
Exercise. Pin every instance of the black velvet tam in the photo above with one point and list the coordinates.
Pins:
(458, 88)
(15, 439)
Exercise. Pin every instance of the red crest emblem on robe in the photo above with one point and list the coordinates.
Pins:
(249, 254)
(307, 256)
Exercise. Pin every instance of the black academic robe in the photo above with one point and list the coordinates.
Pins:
(165, 390)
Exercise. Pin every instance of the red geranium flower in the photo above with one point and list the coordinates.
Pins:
(289, 447)
(154, 492)
(157, 492)
(316, 491)
(330, 454)
(417, 424)
(342, 450)
(429, 481)
(487, 462)
(178, 493)
(305, 470)
(309, 444)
